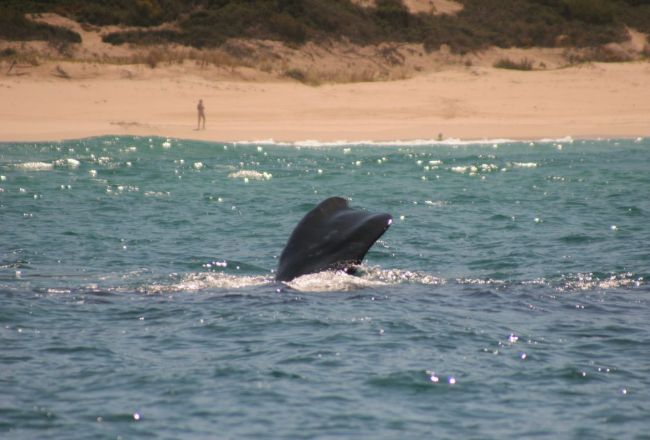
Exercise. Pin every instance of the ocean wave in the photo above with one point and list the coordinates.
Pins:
(311, 143)
(591, 281)
(375, 277)
(567, 283)
(399, 276)
(326, 281)
(208, 280)
(247, 175)
(332, 281)
(47, 166)
(523, 164)
(69, 163)
(34, 166)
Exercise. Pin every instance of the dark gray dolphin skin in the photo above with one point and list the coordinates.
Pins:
(332, 236)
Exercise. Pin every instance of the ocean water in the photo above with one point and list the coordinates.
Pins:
(509, 299)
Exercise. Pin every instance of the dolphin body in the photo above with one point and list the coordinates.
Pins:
(332, 236)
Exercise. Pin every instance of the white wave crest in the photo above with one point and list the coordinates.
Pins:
(326, 281)
(331, 281)
(524, 165)
(399, 276)
(70, 163)
(311, 143)
(250, 175)
(211, 280)
(34, 166)
(588, 281)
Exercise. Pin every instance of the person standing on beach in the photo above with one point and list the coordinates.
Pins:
(201, 109)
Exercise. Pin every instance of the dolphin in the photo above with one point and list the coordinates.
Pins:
(332, 236)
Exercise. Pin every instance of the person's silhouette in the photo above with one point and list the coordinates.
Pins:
(201, 109)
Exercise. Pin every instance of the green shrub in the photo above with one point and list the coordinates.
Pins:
(591, 11)
(14, 26)
(100, 15)
(288, 28)
(507, 63)
(142, 37)
(145, 13)
(8, 52)
(209, 23)
(297, 74)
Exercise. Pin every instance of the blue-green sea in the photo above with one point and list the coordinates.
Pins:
(510, 298)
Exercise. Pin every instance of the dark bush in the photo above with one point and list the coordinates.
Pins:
(507, 63)
(8, 52)
(209, 23)
(142, 37)
(288, 28)
(14, 26)
(297, 74)
(100, 15)
(591, 11)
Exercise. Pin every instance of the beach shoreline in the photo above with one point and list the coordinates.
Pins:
(469, 103)
(333, 92)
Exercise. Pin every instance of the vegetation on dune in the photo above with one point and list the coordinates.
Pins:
(14, 26)
(209, 23)
(507, 63)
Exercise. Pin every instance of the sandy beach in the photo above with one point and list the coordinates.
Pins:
(598, 100)
(421, 96)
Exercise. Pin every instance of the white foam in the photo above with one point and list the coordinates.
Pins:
(119, 189)
(35, 166)
(524, 165)
(70, 163)
(326, 281)
(211, 280)
(471, 169)
(331, 281)
(312, 143)
(494, 143)
(250, 175)
(157, 193)
(459, 169)
(480, 282)
(488, 167)
(566, 139)
(399, 276)
(587, 281)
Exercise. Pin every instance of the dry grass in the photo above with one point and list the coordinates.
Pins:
(168, 56)
(315, 77)
(20, 57)
(601, 54)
